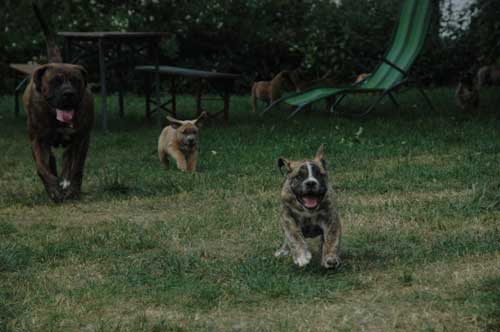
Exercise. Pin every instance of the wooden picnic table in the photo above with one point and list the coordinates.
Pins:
(124, 48)
(222, 82)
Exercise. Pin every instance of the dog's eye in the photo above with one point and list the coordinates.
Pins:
(56, 80)
(302, 173)
(74, 81)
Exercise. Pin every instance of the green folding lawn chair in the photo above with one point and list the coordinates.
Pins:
(407, 42)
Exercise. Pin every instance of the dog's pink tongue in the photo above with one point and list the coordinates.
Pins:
(65, 116)
(310, 202)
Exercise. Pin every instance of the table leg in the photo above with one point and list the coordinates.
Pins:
(102, 80)
(121, 82)
(147, 90)
(156, 51)
(17, 91)
(199, 94)
(226, 106)
(16, 104)
(173, 93)
(121, 86)
(67, 50)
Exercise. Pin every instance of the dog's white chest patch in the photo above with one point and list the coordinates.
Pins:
(65, 184)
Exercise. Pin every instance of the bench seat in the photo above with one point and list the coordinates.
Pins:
(224, 84)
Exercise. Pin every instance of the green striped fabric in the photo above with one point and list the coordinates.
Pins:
(407, 42)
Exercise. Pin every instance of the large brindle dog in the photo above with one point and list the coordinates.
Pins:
(309, 210)
(60, 112)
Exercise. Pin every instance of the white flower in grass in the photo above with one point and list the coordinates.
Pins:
(6, 29)
(151, 18)
(214, 152)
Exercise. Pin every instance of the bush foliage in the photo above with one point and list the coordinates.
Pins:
(258, 38)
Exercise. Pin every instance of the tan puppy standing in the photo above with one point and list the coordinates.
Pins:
(270, 91)
(361, 77)
(467, 93)
(488, 75)
(180, 140)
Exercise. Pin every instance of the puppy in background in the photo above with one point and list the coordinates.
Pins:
(361, 77)
(488, 75)
(180, 140)
(467, 93)
(270, 91)
(309, 210)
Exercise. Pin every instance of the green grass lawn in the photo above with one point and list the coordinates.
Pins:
(152, 250)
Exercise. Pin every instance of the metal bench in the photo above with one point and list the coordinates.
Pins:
(25, 70)
(221, 82)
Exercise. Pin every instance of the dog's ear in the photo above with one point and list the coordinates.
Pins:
(174, 123)
(320, 155)
(199, 121)
(38, 75)
(284, 163)
(84, 73)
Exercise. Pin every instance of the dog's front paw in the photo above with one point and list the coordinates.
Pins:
(282, 252)
(302, 259)
(331, 262)
(182, 167)
(56, 194)
(72, 193)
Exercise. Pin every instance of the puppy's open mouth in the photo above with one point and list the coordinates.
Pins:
(65, 116)
(310, 201)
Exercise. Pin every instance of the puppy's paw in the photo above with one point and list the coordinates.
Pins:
(302, 259)
(72, 193)
(282, 252)
(331, 262)
(56, 195)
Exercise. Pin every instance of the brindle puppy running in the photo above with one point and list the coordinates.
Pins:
(309, 210)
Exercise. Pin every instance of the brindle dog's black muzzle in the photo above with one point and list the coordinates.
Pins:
(65, 97)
